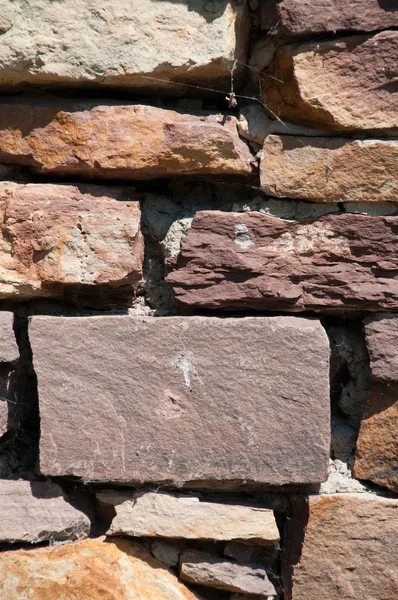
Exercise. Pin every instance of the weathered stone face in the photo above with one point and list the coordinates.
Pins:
(328, 16)
(254, 261)
(376, 457)
(156, 514)
(205, 569)
(56, 237)
(347, 83)
(381, 341)
(350, 545)
(36, 511)
(330, 169)
(90, 43)
(8, 344)
(179, 400)
(96, 568)
(128, 142)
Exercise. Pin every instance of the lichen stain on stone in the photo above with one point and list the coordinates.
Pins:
(184, 364)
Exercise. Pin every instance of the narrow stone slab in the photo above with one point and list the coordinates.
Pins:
(8, 345)
(205, 569)
(344, 83)
(116, 141)
(58, 237)
(382, 344)
(330, 169)
(376, 456)
(150, 514)
(255, 261)
(36, 511)
(350, 548)
(107, 43)
(151, 399)
(98, 568)
(328, 16)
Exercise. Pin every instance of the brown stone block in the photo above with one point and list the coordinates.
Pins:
(255, 261)
(376, 456)
(342, 546)
(381, 333)
(58, 238)
(330, 169)
(343, 84)
(177, 400)
(128, 142)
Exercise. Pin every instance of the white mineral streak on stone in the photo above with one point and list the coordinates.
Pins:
(174, 516)
(242, 236)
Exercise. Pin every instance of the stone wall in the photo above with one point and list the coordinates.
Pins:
(198, 300)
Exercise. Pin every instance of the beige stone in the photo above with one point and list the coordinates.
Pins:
(330, 169)
(93, 569)
(8, 344)
(114, 43)
(120, 141)
(37, 511)
(159, 514)
(342, 84)
(58, 237)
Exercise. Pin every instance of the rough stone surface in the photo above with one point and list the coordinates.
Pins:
(245, 554)
(205, 569)
(57, 236)
(350, 548)
(90, 43)
(345, 83)
(120, 141)
(8, 344)
(377, 446)
(140, 399)
(168, 551)
(254, 261)
(382, 344)
(36, 511)
(330, 169)
(158, 514)
(90, 569)
(291, 17)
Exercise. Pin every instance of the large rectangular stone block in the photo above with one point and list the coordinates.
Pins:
(146, 44)
(130, 141)
(200, 400)
(65, 238)
(255, 261)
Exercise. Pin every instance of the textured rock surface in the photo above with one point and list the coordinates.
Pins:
(330, 169)
(57, 236)
(208, 570)
(90, 569)
(153, 400)
(328, 16)
(346, 83)
(36, 511)
(125, 141)
(156, 514)
(349, 551)
(382, 344)
(243, 261)
(377, 445)
(8, 344)
(80, 42)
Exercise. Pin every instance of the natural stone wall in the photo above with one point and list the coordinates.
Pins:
(179, 179)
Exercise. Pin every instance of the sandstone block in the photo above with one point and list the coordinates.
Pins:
(205, 569)
(376, 457)
(8, 344)
(150, 514)
(328, 16)
(95, 568)
(36, 511)
(330, 169)
(255, 261)
(349, 551)
(58, 237)
(107, 43)
(342, 84)
(381, 341)
(151, 399)
(116, 141)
